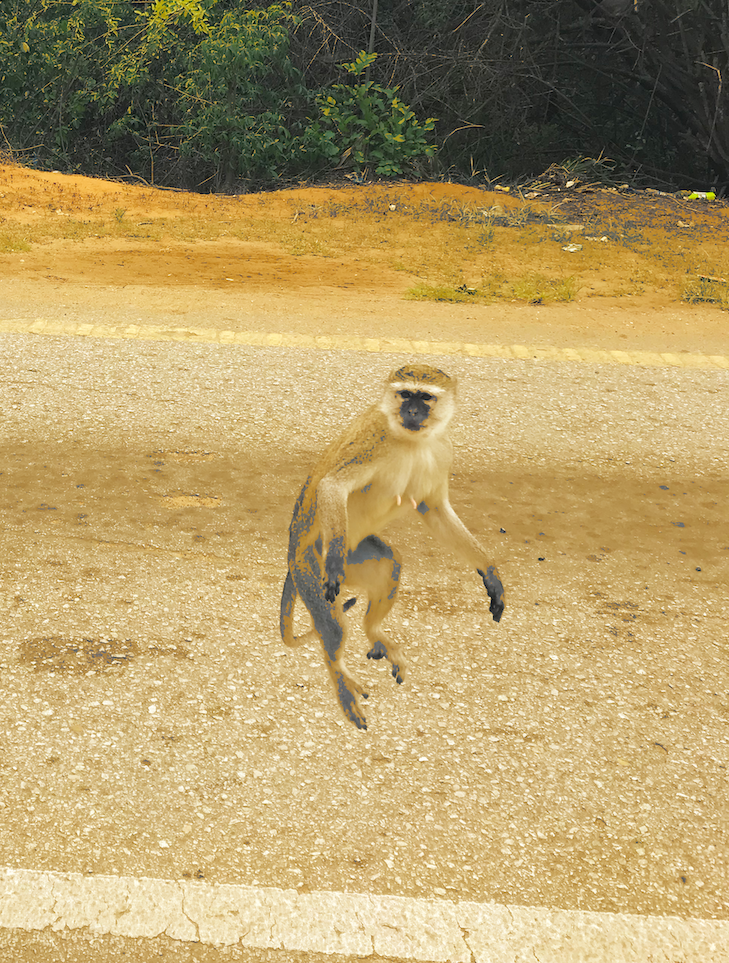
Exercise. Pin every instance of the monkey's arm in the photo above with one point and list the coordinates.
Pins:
(332, 498)
(441, 519)
(348, 465)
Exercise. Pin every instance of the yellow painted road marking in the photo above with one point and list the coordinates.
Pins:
(523, 352)
(348, 924)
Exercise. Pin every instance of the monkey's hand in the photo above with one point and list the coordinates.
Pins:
(493, 585)
(331, 590)
(333, 571)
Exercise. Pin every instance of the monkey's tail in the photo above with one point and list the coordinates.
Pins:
(286, 624)
(288, 601)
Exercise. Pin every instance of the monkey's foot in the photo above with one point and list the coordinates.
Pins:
(378, 651)
(349, 694)
(331, 590)
(393, 655)
(495, 589)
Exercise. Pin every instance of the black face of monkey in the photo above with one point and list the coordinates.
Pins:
(415, 408)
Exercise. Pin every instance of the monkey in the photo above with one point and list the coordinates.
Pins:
(395, 457)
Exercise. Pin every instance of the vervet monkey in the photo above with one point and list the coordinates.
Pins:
(394, 458)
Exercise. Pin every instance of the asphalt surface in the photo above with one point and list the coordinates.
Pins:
(573, 756)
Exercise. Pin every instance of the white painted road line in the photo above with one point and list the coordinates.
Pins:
(438, 931)
(521, 352)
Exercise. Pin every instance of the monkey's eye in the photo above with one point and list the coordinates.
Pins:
(406, 395)
(426, 397)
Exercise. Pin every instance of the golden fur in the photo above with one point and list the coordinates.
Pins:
(393, 458)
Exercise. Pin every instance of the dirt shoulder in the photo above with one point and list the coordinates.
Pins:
(346, 260)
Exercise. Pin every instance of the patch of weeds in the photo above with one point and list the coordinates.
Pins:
(518, 216)
(13, 244)
(485, 236)
(468, 215)
(371, 202)
(311, 211)
(119, 213)
(626, 233)
(706, 289)
(576, 171)
(443, 292)
(429, 210)
(64, 228)
(631, 239)
(451, 211)
(334, 208)
(475, 242)
(493, 286)
(305, 211)
(196, 228)
(532, 289)
(299, 245)
(530, 214)
(536, 289)
(564, 234)
(78, 230)
(600, 169)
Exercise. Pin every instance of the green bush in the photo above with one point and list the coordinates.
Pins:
(179, 90)
(241, 101)
(188, 92)
(369, 126)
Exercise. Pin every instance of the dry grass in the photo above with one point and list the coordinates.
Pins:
(11, 242)
(529, 288)
(704, 289)
(458, 251)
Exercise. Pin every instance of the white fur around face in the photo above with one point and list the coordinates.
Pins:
(418, 386)
(441, 410)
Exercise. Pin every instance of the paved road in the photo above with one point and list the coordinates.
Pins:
(573, 757)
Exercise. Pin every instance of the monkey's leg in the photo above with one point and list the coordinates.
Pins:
(330, 626)
(376, 567)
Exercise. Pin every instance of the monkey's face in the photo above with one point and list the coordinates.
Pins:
(416, 410)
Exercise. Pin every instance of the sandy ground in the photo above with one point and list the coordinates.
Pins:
(575, 755)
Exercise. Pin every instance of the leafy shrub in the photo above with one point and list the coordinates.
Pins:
(180, 90)
(369, 125)
(241, 102)
(186, 92)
